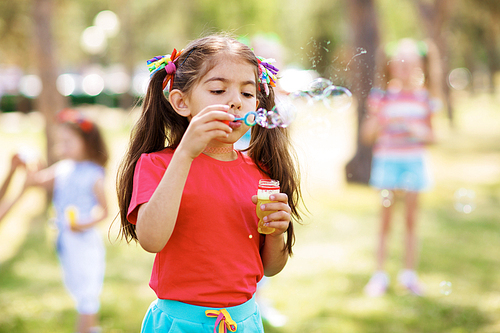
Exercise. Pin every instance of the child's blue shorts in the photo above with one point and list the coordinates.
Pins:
(397, 173)
(177, 317)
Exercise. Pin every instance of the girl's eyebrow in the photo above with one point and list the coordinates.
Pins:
(224, 80)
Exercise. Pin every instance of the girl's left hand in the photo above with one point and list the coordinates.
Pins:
(280, 217)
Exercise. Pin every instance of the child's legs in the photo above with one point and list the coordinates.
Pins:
(386, 215)
(83, 262)
(86, 322)
(410, 236)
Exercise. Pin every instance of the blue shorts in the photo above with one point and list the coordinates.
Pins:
(396, 173)
(177, 317)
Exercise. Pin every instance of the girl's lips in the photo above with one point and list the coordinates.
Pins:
(235, 124)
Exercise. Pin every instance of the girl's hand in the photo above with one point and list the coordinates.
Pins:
(204, 127)
(281, 216)
(16, 162)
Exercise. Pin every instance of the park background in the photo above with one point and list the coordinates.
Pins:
(43, 49)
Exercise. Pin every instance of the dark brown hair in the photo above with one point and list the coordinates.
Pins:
(159, 126)
(95, 147)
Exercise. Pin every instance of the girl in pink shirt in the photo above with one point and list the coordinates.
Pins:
(398, 126)
(187, 195)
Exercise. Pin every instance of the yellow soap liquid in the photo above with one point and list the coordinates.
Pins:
(71, 215)
(261, 228)
(266, 188)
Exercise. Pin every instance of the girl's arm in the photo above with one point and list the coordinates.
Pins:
(15, 162)
(6, 206)
(100, 212)
(156, 218)
(44, 177)
(274, 254)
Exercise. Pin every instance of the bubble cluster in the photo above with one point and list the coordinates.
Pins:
(281, 115)
(386, 197)
(445, 288)
(465, 200)
(323, 90)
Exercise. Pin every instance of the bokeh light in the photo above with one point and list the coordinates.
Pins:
(93, 40)
(66, 84)
(30, 86)
(93, 84)
(108, 22)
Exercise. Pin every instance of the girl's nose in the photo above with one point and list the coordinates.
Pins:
(235, 101)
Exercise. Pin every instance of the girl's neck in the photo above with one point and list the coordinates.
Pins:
(224, 153)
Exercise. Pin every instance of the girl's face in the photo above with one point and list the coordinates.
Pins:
(69, 144)
(407, 66)
(231, 82)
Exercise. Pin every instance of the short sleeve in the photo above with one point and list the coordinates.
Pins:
(148, 173)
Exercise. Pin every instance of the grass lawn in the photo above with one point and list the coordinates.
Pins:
(321, 288)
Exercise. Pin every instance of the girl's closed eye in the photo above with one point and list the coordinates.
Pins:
(248, 95)
(217, 91)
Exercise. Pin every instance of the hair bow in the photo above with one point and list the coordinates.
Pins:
(75, 117)
(267, 73)
(168, 62)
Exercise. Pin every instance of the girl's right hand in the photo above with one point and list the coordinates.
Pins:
(204, 127)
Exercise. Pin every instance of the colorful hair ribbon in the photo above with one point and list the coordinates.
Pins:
(267, 73)
(168, 62)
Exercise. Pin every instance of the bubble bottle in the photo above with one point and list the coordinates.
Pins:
(266, 188)
(71, 213)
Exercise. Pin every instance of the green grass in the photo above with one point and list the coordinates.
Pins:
(320, 290)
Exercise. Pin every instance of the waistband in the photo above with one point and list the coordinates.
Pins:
(195, 313)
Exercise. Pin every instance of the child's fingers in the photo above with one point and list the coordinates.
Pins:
(279, 216)
(280, 203)
(216, 112)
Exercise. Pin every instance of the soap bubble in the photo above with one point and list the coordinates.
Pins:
(287, 112)
(281, 115)
(300, 96)
(337, 98)
(319, 127)
(333, 97)
(318, 87)
(386, 197)
(445, 288)
(464, 200)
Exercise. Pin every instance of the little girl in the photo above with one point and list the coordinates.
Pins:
(399, 126)
(77, 182)
(193, 202)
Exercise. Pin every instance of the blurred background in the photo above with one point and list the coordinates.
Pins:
(91, 55)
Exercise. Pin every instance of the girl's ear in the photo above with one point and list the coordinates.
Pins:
(178, 101)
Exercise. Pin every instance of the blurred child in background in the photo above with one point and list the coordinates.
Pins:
(77, 181)
(398, 125)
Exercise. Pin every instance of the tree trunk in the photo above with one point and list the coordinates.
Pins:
(434, 15)
(363, 20)
(50, 101)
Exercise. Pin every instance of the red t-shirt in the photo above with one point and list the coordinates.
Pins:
(212, 258)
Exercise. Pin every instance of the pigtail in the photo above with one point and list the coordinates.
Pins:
(149, 135)
(270, 149)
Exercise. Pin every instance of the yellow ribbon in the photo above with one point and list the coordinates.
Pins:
(224, 321)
